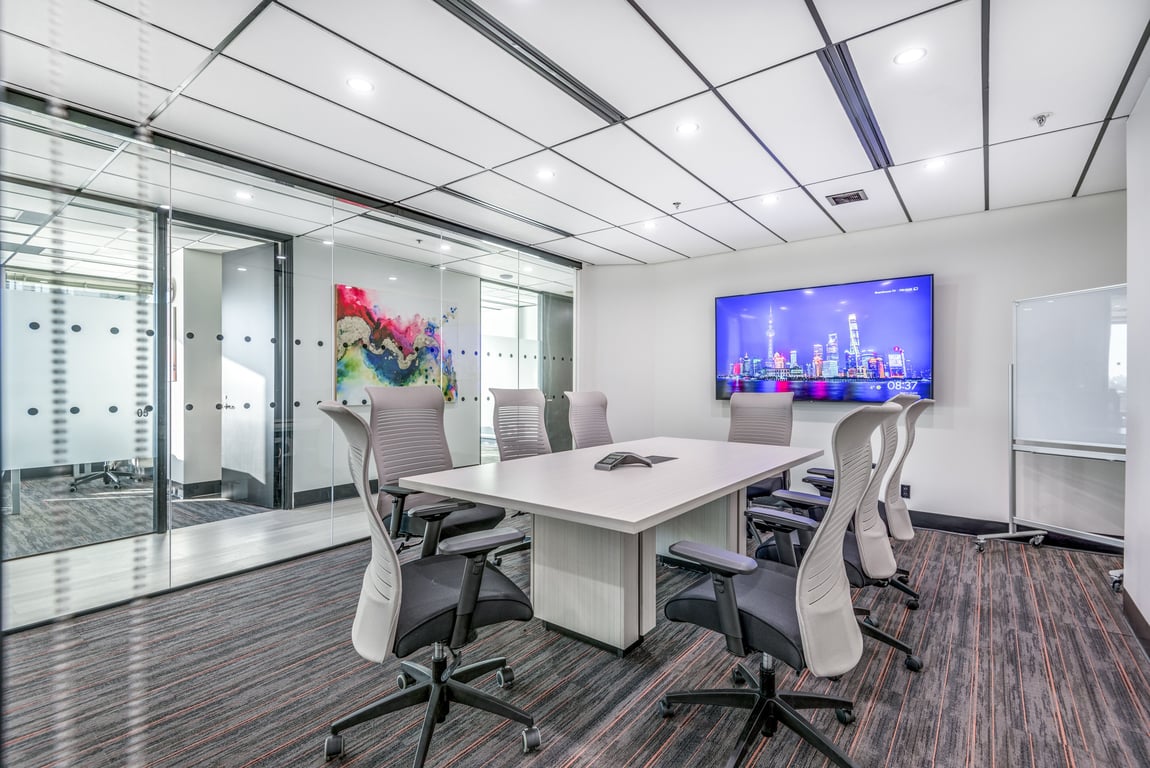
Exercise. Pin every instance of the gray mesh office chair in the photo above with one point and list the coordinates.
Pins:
(765, 418)
(435, 601)
(803, 618)
(408, 439)
(520, 431)
(587, 418)
(897, 515)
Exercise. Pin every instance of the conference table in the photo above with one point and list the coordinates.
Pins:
(597, 534)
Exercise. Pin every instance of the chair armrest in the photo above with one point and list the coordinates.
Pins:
(822, 472)
(480, 542)
(798, 498)
(430, 512)
(396, 491)
(713, 558)
(776, 519)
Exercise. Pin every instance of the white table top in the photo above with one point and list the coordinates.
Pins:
(630, 499)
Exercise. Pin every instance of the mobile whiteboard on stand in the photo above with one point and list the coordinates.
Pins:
(1067, 398)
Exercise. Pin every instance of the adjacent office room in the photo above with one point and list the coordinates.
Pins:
(215, 219)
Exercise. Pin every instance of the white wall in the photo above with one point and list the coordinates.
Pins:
(646, 335)
(1138, 406)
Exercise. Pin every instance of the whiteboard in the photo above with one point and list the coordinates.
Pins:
(1070, 368)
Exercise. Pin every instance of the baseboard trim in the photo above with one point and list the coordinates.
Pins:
(325, 495)
(206, 488)
(954, 524)
(1137, 621)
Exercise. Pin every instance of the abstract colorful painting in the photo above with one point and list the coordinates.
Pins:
(375, 347)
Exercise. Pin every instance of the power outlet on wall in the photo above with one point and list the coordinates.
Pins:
(904, 491)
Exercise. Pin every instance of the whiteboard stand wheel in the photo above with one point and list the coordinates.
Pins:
(1037, 540)
(979, 544)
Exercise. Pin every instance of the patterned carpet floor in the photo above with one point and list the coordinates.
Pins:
(1029, 662)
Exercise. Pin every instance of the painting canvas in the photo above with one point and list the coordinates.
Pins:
(379, 347)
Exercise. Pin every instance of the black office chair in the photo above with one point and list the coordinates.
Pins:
(803, 618)
(407, 438)
(436, 601)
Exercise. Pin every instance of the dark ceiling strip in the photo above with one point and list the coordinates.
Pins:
(120, 128)
(818, 19)
(986, 105)
(897, 194)
(228, 38)
(491, 28)
(502, 211)
(1138, 50)
(844, 79)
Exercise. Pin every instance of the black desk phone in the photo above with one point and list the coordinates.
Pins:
(620, 459)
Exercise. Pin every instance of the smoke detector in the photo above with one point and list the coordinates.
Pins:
(842, 198)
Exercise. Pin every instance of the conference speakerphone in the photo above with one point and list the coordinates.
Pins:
(621, 459)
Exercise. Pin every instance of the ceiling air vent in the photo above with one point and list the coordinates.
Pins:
(847, 197)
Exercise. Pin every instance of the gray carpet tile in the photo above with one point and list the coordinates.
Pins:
(52, 517)
(1028, 662)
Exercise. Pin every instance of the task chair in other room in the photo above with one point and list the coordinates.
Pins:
(408, 439)
(765, 418)
(436, 601)
(803, 618)
(520, 431)
(587, 418)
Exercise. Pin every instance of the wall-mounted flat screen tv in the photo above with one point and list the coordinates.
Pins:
(864, 341)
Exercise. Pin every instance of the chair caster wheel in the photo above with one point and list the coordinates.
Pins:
(402, 680)
(505, 677)
(497, 561)
(1116, 586)
(905, 579)
(845, 716)
(531, 740)
(1037, 540)
(332, 748)
(979, 546)
(913, 663)
(912, 603)
(666, 708)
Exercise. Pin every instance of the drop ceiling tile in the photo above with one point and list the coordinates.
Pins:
(104, 36)
(728, 224)
(795, 111)
(444, 247)
(375, 245)
(880, 209)
(791, 215)
(244, 91)
(1039, 168)
(398, 100)
(622, 241)
(458, 210)
(931, 191)
(208, 125)
(932, 107)
(207, 22)
(623, 158)
(578, 188)
(1058, 56)
(671, 233)
(621, 40)
(31, 66)
(1108, 168)
(512, 196)
(433, 45)
(848, 18)
(721, 152)
(766, 33)
(588, 253)
(30, 166)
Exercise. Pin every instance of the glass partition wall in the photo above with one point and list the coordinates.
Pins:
(169, 325)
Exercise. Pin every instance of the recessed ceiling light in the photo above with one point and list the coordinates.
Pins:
(165, 206)
(392, 277)
(936, 164)
(443, 266)
(770, 199)
(445, 246)
(648, 225)
(686, 128)
(243, 194)
(359, 85)
(910, 56)
(241, 269)
(328, 242)
(546, 174)
(528, 268)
